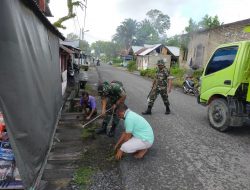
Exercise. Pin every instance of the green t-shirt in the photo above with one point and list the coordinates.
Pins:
(138, 126)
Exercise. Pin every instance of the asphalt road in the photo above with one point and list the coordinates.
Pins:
(187, 152)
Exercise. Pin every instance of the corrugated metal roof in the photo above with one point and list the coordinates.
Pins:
(74, 44)
(150, 49)
(136, 48)
(141, 50)
(174, 50)
(66, 49)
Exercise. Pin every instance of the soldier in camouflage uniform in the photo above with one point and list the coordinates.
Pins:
(111, 94)
(161, 85)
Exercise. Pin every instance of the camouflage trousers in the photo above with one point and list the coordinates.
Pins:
(154, 93)
(109, 114)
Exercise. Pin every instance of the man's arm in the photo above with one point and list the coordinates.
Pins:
(170, 81)
(91, 113)
(124, 138)
(92, 105)
(84, 108)
(104, 104)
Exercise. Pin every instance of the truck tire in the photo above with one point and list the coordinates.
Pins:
(218, 114)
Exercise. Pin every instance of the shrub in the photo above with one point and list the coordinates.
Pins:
(197, 73)
(132, 66)
(148, 72)
(117, 60)
(177, 72)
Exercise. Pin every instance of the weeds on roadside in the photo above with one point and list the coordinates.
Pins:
(82, 176)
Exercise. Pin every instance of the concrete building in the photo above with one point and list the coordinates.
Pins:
(202, 43)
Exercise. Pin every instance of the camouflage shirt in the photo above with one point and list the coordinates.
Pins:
(113, 91)
(162, 78)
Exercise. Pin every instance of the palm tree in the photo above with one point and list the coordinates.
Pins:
(125, 33)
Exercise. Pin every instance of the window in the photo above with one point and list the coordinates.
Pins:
(221, 59)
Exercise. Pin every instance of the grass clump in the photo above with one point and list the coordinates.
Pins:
(82, 176)
(89, 131)
(149, 73)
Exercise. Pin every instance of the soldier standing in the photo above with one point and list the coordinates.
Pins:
(161, 85)
(111, 94)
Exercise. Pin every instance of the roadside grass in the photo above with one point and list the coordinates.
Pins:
(116, 64)
(82, 176)
(89, 131)
(132, 66)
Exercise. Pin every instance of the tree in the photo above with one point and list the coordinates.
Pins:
(192, 26)
(209, 22)
(159, 21)
(173, 41)
(84, 46)
(72, 36)
(71, 14)
(146, 33)
(125, 33)
(110, 49)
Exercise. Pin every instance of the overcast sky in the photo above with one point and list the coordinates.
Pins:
(103, 17)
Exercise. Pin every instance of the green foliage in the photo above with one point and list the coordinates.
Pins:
(70, 15)
(197, 73)
(125, 33)
(209, 22)
(84, 46)
(109, 49)
(192, 26)
(159, 21)
(132, 66)
(117, 60)
(177, 82)
(148, 73)
(173, 41)
(146, 33)
(206, 23)
(178, 74)
(82, 176)
(177, 71)
(72, 36)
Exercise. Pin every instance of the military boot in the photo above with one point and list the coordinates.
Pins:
(167, 110)
(148, 111)
(111, 131)
(102, 129)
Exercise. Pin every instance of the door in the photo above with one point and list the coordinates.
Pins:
(219, 73)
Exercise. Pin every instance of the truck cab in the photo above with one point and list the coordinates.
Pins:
(225, 86)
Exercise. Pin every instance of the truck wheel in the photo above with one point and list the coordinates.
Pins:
(218, 114)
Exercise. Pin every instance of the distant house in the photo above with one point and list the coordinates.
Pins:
(148, 56)
(203, 43)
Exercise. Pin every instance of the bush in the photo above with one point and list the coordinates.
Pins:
(148, 72)
(177, 72)
(117, 60)
(132, 66)
(197, 73)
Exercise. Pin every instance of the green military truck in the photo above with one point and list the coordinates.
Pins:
(225, 86)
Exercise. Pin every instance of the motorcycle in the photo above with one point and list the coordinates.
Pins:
(189, 87)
